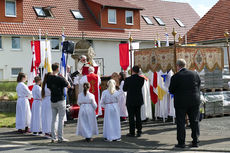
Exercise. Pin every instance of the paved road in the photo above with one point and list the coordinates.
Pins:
(157, 137)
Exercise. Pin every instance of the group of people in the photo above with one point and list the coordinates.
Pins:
(122, 98)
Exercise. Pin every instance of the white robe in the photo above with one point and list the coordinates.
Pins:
(122, 101)
(36, 121)
(87, 122)
(46, 111)
(146, 108)
(84, 80)
(111, 125)
(23, 113)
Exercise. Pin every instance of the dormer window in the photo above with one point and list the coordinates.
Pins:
(129, 17)
(178, 21)
(147, 20)
(159, 21)
(43, 11)
(10, 8)
(77, 14)
(112, 16)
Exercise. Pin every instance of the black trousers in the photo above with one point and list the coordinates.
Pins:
(134, 112)
(193, 115)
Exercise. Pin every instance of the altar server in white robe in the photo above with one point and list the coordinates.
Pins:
(36, 120)
(122, 101)
(23, 113)
(146, 108)
(111, 125)
(46, 108)
(87, 122)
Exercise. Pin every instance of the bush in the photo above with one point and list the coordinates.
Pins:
(8, 86)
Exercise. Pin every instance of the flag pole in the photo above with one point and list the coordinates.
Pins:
(175, 58)
(40, 38)
(131, 55)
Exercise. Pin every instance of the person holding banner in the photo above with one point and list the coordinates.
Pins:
(23, 113)
(36, 121)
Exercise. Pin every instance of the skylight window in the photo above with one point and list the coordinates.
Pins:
(77, 14)
(159, 21)
(179, 22)
(43, 11)
(147, 20)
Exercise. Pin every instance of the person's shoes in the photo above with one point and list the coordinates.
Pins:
(180, 145)
(88, 139)
(117, 139)
(194, 145)
(35, 133)
(106, 140)
(130, 135)
(138, 135)
(20, 131)
(63, 140)
(53, 140)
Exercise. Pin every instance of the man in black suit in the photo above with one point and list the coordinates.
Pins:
(133, 86)
(185, 85)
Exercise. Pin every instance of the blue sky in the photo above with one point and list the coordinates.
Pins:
(200, 6)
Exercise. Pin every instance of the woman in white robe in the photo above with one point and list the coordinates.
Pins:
(87, 122)
(23, 113)
(111, 125)
(122, 98)
(36, 121)
(46, 108)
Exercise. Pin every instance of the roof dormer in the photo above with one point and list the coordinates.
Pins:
(116, 14)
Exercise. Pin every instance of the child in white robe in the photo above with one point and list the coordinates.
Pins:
(46, 108)
(87, 122)
(36, 122)
(111, 125)
(23, 113)
(122, 100)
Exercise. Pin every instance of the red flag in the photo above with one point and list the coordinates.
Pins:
(124, 55)
(36, 60)
(153, 89)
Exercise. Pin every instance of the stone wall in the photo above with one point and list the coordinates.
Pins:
(8, 106)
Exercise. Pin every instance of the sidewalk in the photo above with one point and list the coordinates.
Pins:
(215, 136)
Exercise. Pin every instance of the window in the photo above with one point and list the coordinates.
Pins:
(77, 14)
(112, 16)
(15, 42)
(0, 42)
(178, 21)
(55, 44)
(10, 9)
(43, 11)
(147, 20)
(15, 71)
(159, 21)
(129, 17)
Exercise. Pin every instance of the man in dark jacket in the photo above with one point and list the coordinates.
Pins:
(133, 86)
(185, 85)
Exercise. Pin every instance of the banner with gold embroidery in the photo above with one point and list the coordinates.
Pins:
(156, 59)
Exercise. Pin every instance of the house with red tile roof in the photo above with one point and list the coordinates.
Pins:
(105, 25)
(211, 27)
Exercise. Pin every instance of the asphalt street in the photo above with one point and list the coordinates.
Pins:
(157, 137)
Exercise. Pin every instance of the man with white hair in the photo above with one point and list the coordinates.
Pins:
(81, 63)
(94, 81)
(185, 86)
